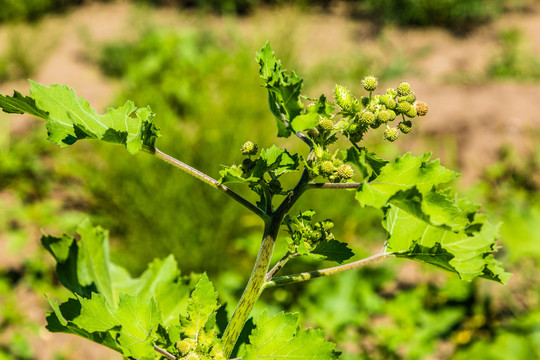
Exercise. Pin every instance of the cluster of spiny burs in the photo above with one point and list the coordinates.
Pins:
(375, 110)
(355, 118)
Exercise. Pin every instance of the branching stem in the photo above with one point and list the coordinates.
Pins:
(301, 277)
(280, 264)
(333, 185)
(164, 352)
(257, 279)
(213, 183)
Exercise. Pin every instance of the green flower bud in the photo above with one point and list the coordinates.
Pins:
(392, 115)
(411, 112)
(249, 148)
(403, 107)
(391, 134)
(367, 118)
(343, 97)
(192, 356)
(364, 100)
(383, 116)
(327, 168)
(421, 108)
(391, 104)
(391, 92)
(383, 99)
(345, 172)
(375, 125)
(404, 89)
(405, 126)
(327, 225)
(411, 98)
(370, 83)
(185, 346)
(326, 124)
(371, 107)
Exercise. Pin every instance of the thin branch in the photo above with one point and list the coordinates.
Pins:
(299, 135)
(164, 352)
(293, 195)
(213, 183)
(296, 278)
(280, 264)
(333, 185)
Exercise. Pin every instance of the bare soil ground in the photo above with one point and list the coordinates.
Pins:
(479, 118)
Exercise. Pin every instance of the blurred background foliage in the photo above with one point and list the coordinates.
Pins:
(203, 86)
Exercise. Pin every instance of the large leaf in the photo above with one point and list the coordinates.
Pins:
(111, 307)
(280, 338)
(425, 223)
(467, 253)
(403, 173)
(83, 269)
(71, 118)
(136, 320)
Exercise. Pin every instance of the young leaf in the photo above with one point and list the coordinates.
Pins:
(71, 118)
(280, 338)
(283, 89)
(201, 307)
(332, 250)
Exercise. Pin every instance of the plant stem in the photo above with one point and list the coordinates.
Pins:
(333, 185)
(296, 278)
(257, 279)
(212, 182)
(280, 264)
(164, 352)
(253, 288)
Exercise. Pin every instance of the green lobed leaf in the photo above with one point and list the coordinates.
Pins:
(280, 338)
(60, 320)
(427, 224)
(160, 281)
(332, 250)
(66, 252)
(201, 308)
(71, 118)
(127, 324)
(283, 90)
(401, 174)
(19, 104)
(94, 260)
(467, 254)
(136, 320)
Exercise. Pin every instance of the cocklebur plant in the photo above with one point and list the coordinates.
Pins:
(164, 314)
